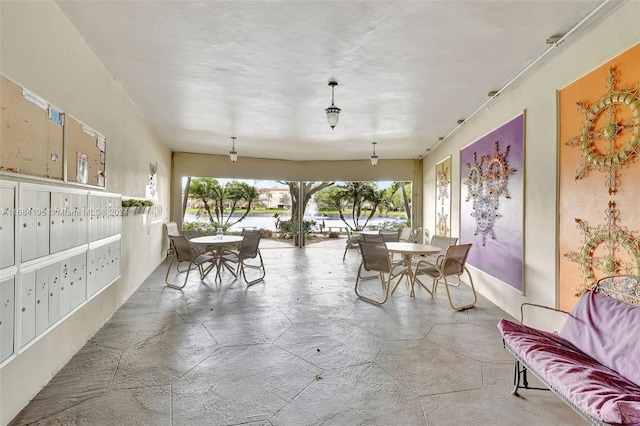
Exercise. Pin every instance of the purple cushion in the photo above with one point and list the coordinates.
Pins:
(606, 330)
(598, 391)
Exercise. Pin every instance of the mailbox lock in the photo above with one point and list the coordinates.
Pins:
(24, 309)
(38, 301)
(24, 225)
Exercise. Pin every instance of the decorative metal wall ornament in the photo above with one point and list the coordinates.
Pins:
(443, 183)
(486, 182)
(496, 172)
(442, 226)
(474, 178)
(612, 238)
(443, 197)
(613, 157)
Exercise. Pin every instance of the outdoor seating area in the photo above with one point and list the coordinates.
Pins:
(302, 349)
(220, 252)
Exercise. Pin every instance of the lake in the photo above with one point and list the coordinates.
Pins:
(267, 221)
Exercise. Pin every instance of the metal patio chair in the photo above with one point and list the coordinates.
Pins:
(184, 253)
(390, 236)
(405, 235)
(248, 250)
(352, 242)
(444, 243)
(453, 264)
(375, 258)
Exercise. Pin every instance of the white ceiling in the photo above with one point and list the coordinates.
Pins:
(203, 71)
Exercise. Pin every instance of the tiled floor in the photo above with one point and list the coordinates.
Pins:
(296, 349)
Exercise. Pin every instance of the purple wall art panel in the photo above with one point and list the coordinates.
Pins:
(492, 202)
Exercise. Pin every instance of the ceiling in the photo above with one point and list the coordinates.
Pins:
(203, 71)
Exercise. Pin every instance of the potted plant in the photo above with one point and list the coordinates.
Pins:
(129, 206)
(146, 206)
(133, 206)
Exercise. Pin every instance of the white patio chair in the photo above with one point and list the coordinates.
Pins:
(184, 253)
(453, 264)
(242, 257)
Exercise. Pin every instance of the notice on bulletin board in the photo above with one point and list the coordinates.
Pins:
(82, 167)
(56, 116)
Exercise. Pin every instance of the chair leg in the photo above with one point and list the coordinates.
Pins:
(385, 286)
(166, 277)
(473, 290)
(346, 247)
(421, 284)
(366, 277)
(259, 267)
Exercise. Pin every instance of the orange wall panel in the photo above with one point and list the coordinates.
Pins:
(587, 198)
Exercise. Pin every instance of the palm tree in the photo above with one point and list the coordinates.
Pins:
(250, 195)
(356, 195)
(389, 198)
(206, 191)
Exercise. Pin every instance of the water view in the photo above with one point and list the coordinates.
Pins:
(267, 221)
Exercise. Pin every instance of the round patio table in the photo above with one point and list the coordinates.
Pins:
(408, 250)
(218, 242)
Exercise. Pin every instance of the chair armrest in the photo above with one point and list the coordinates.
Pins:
(426, 262)
(534, 305)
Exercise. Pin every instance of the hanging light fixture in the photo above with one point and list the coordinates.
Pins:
(374, 157)
(333, 112)
(233, 154)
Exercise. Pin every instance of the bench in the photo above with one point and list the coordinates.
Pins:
(593, 363)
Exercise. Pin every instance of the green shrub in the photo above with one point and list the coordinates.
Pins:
(266, 233)
(288, 228)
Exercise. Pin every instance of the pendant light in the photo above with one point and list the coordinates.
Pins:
(233, 154)
(333, 112)
(374, 157)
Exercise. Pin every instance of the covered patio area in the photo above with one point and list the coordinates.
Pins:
(297, 349)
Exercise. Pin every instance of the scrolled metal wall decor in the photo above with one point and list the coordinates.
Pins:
(613, 157)
(487, 182)
(612, 238)
(443, 182)
(601, 126)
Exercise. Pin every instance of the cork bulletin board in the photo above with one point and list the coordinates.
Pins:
(85, 153)
(31, 139)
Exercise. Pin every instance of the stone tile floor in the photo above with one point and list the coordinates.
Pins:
(297, 349)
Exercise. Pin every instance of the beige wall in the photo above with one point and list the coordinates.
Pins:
(537, 96)
(42, 51)
(199, 165)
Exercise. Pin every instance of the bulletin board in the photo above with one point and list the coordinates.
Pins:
(86, 153)
(32, 139)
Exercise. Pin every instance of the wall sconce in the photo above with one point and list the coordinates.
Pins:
(233, 154)
(333, 112)
(374, 157)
